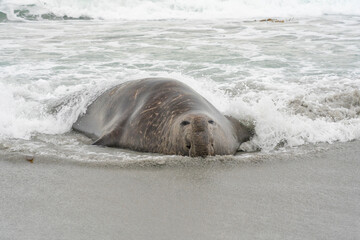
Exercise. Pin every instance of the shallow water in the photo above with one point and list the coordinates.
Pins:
(297, 81)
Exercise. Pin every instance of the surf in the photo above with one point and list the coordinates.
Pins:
(18, 10)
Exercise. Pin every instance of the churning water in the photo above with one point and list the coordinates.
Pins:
(295, 77)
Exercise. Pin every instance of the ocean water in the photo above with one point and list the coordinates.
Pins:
(295, 78)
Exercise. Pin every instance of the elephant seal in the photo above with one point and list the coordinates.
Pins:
(161, 116)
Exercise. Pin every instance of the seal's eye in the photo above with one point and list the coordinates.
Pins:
(183, 123)
(211, 121)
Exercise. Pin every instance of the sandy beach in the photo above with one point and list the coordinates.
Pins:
(306, 196)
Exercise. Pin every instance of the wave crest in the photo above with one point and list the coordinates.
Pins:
(176, 9)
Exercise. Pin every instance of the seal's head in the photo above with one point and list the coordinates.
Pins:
(196, 135)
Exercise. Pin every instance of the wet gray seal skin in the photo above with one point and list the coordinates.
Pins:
(161, 116)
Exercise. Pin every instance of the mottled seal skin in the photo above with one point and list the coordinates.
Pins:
(161, 116)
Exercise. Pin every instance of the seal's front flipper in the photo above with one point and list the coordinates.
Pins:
(99, 142)
(109, 140)
(243, 132)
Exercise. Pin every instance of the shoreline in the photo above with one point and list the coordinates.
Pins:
(117, 158)
(305, 196)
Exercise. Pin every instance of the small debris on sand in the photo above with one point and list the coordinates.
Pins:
(272, 20)
(29, 158)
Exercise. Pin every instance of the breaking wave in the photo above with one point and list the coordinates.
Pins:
(25, 112)
(15, 10)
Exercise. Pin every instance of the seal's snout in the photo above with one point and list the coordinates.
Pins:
(199, 124)
(201, 141)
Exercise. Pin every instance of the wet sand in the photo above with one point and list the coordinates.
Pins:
(306, 196)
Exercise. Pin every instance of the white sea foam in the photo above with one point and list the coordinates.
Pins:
(184, 9)
(297, 82)
(25, 112)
